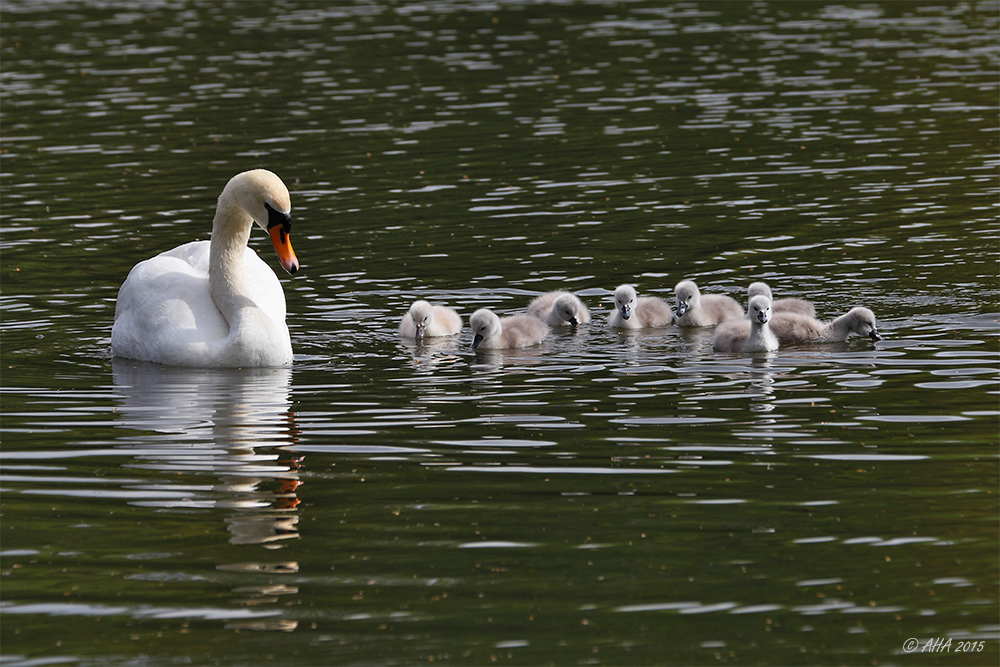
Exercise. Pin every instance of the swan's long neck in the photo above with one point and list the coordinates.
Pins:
(226, 278)
(761, 338)
(840, 328)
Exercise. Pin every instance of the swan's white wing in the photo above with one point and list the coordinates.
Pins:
(165, 312)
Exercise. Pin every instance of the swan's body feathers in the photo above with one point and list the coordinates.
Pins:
(695, 309)
(423, 319)
(785, 305)
(491, 332)
(638, 312)
(559, 308)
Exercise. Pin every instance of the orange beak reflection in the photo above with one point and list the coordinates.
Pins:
(283, 247)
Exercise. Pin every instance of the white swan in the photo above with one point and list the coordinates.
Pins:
(695, 309)
(494, 333)
(423, 319)
(794, 328)
(559, 308)
(638, 312)
(214, 303)
(751, 334)
(786, 305)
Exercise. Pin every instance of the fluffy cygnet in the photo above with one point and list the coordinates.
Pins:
(559, 308)
(638, 312)
(423, 319)
(697, 310)
(751, 334)
(494, 333)
(786, 305)
(793, 328)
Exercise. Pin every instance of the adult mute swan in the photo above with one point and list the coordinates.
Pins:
(638, 312)
(214, 303)
(423, 319)
(559, 308)
(695, 309)
(786, 305)
(494, 333)
(750, 334)
(794, 328)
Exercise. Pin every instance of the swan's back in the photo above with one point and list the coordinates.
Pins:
(785, 305)
(731, 336)
(435, 320)
(695, 309)
(522, 331)
(447, 321)
(652, 311)
(494, 333)
(799, 328)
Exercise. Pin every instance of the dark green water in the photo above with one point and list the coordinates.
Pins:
(604, 498)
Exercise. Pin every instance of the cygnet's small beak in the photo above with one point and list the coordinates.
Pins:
(874, 334)
(681, 308)
(420, 331)
(626, 311)
(573, 322)
(476, 340)
(283, 247)
(762, 317)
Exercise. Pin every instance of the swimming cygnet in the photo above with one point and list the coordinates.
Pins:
(559, 308)
(697, 310)
(786, 305)
(423, 319)
(751, 334)
(494, 333)
(638, 312)
(793, 328)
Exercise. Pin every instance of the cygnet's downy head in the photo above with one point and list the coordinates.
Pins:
(862, 322)
(422, 313)
(759, 288)
(759, 309)
(484, 323)
(687, 296)
(625, 300)
(565, 307)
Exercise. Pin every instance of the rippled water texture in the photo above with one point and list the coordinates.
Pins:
(603, 498)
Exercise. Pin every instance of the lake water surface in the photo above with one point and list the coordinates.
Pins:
(604, 498)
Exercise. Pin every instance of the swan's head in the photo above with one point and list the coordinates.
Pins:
(421, 313)
(263, 197)
(759, 308)
(759, 288)
(484, 324)
(862, 322)
(687, 296)
(566, 307)
(625, 300)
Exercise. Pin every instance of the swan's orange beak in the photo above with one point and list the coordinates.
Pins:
(283, 247)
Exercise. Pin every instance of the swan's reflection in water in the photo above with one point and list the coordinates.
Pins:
(762, 373)
(228, 424)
